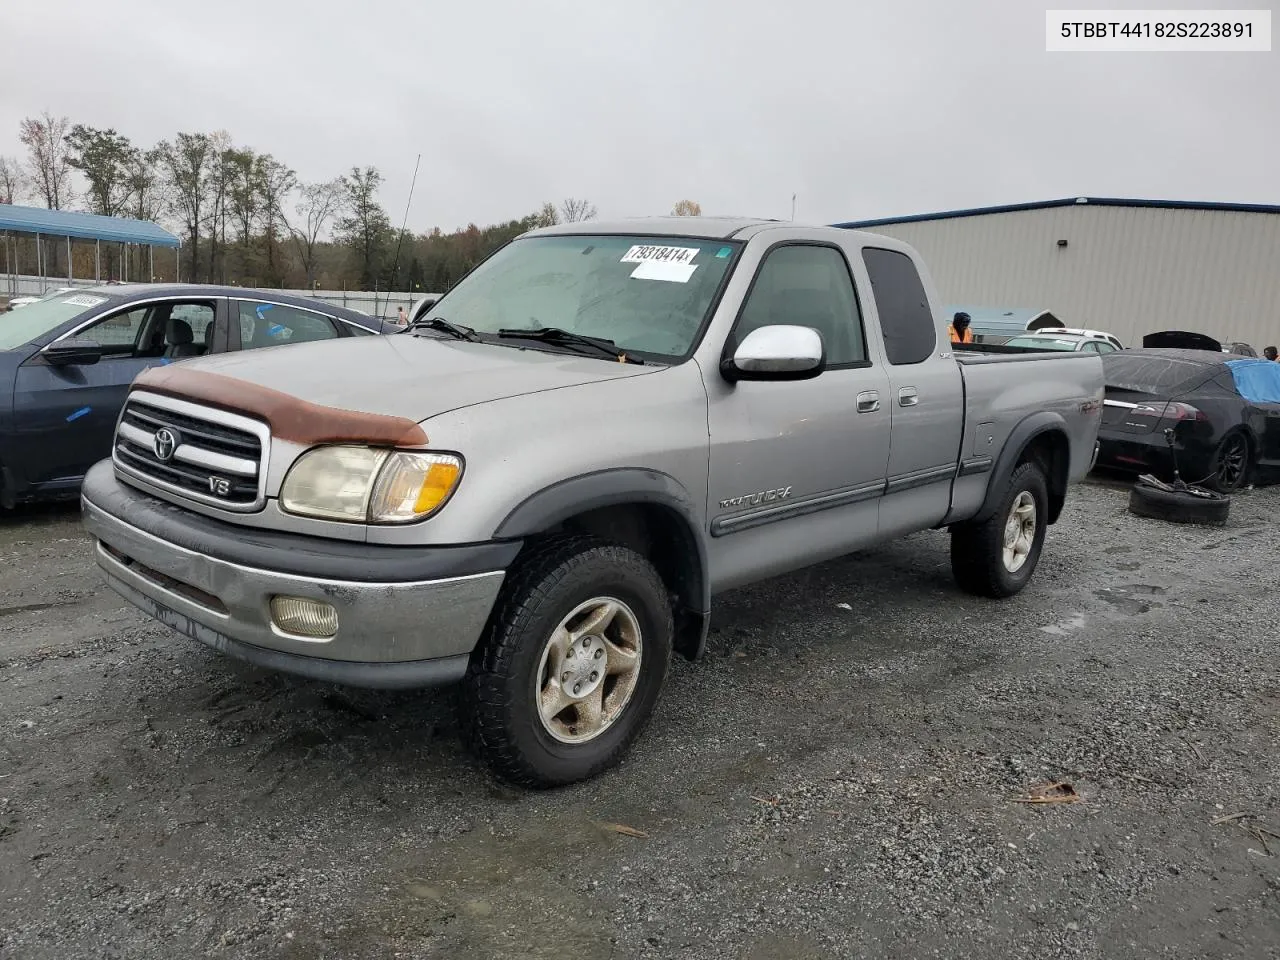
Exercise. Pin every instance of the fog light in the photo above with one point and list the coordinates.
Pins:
(304, 618)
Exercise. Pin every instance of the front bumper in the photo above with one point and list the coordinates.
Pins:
(407, 617)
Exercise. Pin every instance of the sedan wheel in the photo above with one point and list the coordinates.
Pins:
(1231, 464)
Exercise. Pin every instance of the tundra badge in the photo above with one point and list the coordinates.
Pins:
(751, 499)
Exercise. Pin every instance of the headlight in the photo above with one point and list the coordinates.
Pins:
(364, 485)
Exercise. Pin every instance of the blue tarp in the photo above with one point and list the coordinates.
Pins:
(1257, 380)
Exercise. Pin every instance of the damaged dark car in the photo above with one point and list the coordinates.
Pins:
(1217, 415)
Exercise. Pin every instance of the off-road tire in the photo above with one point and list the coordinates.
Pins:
(1176, 506)
(977, 548)
(499, 716)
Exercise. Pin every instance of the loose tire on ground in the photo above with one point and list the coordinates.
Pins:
(979, 550)
(515, 672)
(1176, 506)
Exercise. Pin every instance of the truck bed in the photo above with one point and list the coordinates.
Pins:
(1000, 395)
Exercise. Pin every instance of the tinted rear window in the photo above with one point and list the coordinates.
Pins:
(1126, 370)
(905, 317)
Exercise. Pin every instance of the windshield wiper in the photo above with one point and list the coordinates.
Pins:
(569, 338)
(444, 326)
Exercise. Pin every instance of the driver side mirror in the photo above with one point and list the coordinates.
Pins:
(66, 353)
(420, 308)
(776, 352)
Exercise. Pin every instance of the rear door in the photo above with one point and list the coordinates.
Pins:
(65, 415)
(926, 396)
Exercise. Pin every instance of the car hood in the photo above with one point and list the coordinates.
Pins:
(1181, 340)
(403, 375)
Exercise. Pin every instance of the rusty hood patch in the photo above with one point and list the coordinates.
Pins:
(290, 418)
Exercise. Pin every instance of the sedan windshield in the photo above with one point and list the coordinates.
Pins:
(28, 323)
(646, 294)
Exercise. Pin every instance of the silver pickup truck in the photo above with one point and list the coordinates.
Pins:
(537, 488)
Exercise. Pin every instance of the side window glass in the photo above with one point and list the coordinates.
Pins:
(809, 287)
(197, 316)
(906, 320)
(1103, 347)
(119, 333)
(272, 324)
(188, 329)
(1091, 346)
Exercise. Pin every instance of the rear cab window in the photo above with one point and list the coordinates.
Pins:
(906, 320)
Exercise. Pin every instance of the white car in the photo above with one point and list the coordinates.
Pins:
(1091, 334)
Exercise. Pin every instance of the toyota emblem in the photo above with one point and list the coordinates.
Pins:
(164, 444)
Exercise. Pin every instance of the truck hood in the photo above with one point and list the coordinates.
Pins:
(408, 376)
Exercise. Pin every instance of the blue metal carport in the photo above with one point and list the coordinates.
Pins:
(59, 224)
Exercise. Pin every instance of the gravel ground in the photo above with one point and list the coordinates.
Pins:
(837, 779)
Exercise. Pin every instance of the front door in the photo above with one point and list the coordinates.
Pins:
(797, 467)
(926, 397)
(65, 415)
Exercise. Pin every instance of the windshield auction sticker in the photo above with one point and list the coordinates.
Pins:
(649, 254)
(670, 264)
(82, 300)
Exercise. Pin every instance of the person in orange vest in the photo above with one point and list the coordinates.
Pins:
(960, 332)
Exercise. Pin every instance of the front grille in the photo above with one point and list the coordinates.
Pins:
(200, 454)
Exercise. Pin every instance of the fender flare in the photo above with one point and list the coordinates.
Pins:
(558, 502)
(1027, 429)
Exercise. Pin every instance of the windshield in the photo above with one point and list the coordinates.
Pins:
(1043, 343)
(36, 319)
(646, 294)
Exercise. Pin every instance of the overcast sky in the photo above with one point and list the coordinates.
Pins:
(862, 109)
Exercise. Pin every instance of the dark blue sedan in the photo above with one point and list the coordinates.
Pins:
(66, 362)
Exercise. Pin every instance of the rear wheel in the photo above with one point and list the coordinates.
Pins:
(996, 557)
(571, 665)
(1230, 464)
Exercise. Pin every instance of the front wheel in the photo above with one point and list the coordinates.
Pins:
(996, 557)
(572, 663)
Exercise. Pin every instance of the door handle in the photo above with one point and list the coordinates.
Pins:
(868, 401)
(907, 397)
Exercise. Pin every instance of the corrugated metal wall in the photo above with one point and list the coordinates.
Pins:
(1128, 270)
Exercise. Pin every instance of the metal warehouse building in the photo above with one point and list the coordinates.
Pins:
(1130, 267)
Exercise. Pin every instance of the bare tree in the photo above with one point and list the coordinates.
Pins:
(276, 181)
(45, 138)
(12, 182)
(187, 162)
(687, 208)
(148, 191)
(221, 173)
(365, 226)
(320, 203)
(548, 216)
(575, 211)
